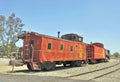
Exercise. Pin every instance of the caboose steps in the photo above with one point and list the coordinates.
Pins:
(33, 66)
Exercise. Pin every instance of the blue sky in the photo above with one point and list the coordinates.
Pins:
(96, 20)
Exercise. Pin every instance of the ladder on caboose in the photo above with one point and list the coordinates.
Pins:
(33, 63)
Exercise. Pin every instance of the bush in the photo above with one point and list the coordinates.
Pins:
(116, 54)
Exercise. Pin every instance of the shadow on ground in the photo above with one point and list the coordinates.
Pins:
(56, 69)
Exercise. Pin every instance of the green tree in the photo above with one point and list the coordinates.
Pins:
(2, 33)
(9, 30)
(116, 54)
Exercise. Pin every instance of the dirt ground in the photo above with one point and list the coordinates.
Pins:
(60, 73)
(32, 78)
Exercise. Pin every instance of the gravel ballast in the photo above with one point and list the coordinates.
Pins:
(63, 72)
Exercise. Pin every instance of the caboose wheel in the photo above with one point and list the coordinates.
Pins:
(72, 64)
(29, 67)
(75, 63)
(48, 66)
(78, 63)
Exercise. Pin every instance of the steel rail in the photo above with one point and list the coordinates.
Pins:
(93, 71)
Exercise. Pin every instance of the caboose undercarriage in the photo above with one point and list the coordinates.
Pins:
(51, 65)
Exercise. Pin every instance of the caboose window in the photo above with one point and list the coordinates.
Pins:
(61, 46)
(49, 46)
(80, 39)
(31, 42)
(71, 48)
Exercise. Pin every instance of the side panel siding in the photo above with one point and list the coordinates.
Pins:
(55, 54)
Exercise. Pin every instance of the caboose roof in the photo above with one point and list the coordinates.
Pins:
(38, 34)
(72, 34)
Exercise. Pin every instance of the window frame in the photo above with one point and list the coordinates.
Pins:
(71, 48)
(61, 47)
(49, 46)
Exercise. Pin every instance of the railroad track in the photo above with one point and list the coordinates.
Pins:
(91, 73)
(105, 74)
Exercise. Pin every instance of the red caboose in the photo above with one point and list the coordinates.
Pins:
(44, 52)
(96, 52)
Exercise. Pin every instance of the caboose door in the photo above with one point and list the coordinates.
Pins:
(31, 49)
(35, 49)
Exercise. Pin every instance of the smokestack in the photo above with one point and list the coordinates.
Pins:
(58, 34)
